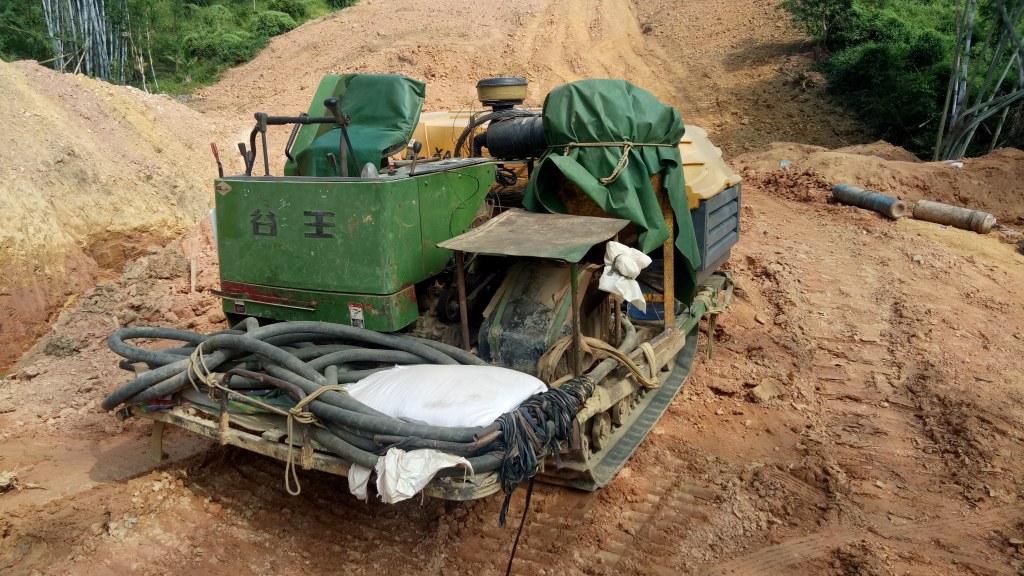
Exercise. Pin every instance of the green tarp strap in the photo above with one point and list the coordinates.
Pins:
(608, 137)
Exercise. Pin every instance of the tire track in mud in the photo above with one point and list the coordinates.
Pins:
(594, 39)
(779, 558)
(571, 531)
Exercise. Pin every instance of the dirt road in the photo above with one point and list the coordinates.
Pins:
(883, 436)
(94, 174)
(893, 444)
(732, 67)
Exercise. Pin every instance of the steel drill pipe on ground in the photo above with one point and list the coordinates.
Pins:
(884, 205)
(963, 218)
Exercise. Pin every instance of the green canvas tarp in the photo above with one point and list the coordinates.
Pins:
(384, 109)
(614, 112)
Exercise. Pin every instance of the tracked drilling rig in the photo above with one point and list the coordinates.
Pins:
(466, 238)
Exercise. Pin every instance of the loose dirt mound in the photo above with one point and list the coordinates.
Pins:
(993, 183)
(716, 61)
(89, 174)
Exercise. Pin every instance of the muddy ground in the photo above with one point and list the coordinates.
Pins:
(889, 446)
(892, 447)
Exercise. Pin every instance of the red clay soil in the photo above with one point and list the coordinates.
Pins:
(861, 413)
(992, 183)
(890, 444)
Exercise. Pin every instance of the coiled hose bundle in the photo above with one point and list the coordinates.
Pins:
(303, 357)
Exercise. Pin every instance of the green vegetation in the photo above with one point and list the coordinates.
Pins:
(187, 43)
(23, 31)
(890, 61)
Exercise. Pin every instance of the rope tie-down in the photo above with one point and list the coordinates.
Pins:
(623, 163)
(298, 414)
(297, 358)
(198, 371)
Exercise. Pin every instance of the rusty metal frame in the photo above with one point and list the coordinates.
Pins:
(460, 276)
(230, 436)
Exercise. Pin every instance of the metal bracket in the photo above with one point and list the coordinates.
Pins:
(156, 442)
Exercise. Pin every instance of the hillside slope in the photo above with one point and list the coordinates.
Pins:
(732, 67)
(89, 174)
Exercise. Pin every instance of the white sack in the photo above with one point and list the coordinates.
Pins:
(444, 395)
(622, 265)
(401, 474)
(358, 479)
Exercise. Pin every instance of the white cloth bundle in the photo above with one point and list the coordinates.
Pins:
(622, 265)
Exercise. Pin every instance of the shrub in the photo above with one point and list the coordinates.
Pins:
(270, 23)
(893, 88)
(821, 18)
(929, 48)
(339, 4)
(887, 60)
(293, 8)
(216, 16)
(222, 46)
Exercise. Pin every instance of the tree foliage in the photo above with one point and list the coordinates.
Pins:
(23, 31)
(889, 61)
(178, 44)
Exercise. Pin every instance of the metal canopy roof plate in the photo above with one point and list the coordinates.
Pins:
(521, 233)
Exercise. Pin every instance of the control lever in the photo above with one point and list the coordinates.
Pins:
(333, 105)
(216, 155)
(247, 157)
(332, 162)
(261, 127)
(416, 147)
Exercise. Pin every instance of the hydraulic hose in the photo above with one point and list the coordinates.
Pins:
(306, 356)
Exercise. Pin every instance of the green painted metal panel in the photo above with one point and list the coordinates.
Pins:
(356, 236)
(383, 313)
(347, 238)
(448, 203)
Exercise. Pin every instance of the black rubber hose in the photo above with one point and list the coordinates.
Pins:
(457, 353)
(143, 390)
(352, 333)
(343, 448)
(332, 406)
(480, 464)
(321, 350)
(350, 376)
(146, 380)
(355, 440)
(286, 339)
(169, 378)
(180, 351)
(366, 355)
(159, 358)
(341, 401)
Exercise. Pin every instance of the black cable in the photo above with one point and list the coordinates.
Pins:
(515, 545)
(505, 176)
(451, 217)
(536, 427)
